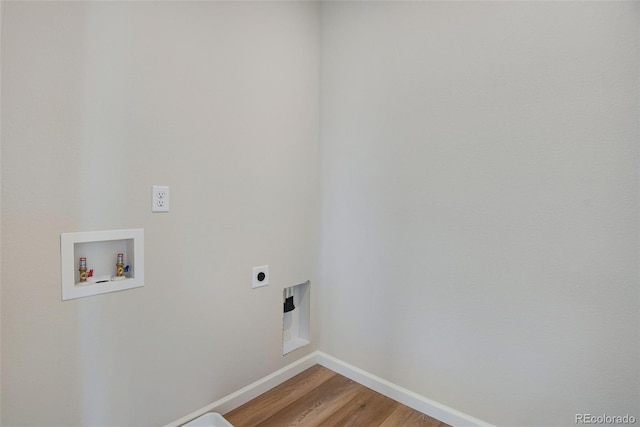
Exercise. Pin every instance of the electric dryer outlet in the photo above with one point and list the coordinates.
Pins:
(260, 276)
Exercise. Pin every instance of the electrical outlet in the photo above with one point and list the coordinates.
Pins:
(260, 276)
(160, 198)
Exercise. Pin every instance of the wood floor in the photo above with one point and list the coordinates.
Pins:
(321, 397)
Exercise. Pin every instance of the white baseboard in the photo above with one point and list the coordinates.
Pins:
(406, 397)
(253, 390)
(382, 386)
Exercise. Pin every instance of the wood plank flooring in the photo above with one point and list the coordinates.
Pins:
(321, 397)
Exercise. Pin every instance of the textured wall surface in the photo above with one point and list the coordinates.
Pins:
(102, 100)
(480, 215)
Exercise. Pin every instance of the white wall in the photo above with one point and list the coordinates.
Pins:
(1, 7)
(102, 100)
(480, 214)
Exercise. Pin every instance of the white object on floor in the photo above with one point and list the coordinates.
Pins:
(210, 419)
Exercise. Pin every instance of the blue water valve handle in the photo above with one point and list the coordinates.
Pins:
(126, 268)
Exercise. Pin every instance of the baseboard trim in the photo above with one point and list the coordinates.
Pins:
(382, 386)
(406, 397)
(251, 391)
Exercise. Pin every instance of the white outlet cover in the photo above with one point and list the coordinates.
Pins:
(257, 283)
(159, 198)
